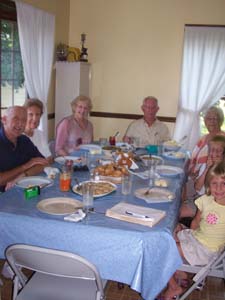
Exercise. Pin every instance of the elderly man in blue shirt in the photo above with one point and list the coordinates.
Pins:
(18, 155)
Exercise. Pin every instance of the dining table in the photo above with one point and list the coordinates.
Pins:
(143, 257)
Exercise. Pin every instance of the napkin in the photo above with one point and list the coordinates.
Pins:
(51, 172)
(76, 217)
(135, 214)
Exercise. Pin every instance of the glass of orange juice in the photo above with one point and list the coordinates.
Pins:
(65, 180)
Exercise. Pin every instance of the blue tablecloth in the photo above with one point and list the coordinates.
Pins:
(143, 257)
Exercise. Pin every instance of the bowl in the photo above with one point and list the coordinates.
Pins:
(154, 158)
(171, 145)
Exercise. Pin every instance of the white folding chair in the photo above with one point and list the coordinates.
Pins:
(215, 268)
(58, 275)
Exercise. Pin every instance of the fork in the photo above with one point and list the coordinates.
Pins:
(79, 185)
(148, 191)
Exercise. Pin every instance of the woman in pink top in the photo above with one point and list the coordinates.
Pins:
(74, 130)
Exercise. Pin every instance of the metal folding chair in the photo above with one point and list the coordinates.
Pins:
(57, 275)
(215, 268)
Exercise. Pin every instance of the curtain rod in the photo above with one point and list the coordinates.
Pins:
(204, 25)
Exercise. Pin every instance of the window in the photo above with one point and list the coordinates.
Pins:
(12, 90)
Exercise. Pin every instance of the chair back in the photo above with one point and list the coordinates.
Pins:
(51, 262)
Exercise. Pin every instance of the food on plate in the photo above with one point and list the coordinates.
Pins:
(124, 159)
(111, 169)
(111, 148)
(101, 187)
(178, 154)
(161, 182)
(171, 143)
(147, 158)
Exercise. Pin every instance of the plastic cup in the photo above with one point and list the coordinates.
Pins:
(112, 140)
(65, 181)
(126, 184)
(87, 192)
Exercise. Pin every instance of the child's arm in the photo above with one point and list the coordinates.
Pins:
(200, 181)
(195, 222)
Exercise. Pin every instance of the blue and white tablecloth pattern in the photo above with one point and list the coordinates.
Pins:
(142, 257)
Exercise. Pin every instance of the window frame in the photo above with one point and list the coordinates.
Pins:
(7, 13)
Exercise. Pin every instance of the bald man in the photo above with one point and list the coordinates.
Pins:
(18, 155)
(149, 130)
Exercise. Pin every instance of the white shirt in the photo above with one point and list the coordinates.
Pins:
(39, 141)
(155, 134)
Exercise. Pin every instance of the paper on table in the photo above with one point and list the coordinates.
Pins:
(76, 217)
(135, 214)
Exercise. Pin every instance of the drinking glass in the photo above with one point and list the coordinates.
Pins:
(126, 184)
(87, 192)
(65, 179)
(112, 140)
(152, 163)
(103, 142)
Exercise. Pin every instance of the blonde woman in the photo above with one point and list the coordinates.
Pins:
(76, 129)
(35, 110)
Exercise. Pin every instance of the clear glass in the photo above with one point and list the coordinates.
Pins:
(87, 192)
(152, 163)
(103, 142)
(65, 180)
(126, 184)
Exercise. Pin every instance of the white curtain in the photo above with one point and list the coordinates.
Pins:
(202, 80)
(36, 35)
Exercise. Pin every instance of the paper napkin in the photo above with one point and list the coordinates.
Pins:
(76, 217)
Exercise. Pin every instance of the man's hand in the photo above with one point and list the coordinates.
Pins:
(35, 161)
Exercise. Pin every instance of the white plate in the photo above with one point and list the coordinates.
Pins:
(26, 182)
(61, 159)
(111, 186)
(169, 171)
(155, 195)
(93, 149)
(171, 145)
(59, 206)
(124, 146)
(174, 155)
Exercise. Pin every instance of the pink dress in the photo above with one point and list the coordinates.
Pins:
(69, 135)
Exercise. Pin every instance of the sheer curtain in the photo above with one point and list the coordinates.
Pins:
(202, 79)
(36, 35)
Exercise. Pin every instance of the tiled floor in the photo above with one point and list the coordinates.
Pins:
(214, 290)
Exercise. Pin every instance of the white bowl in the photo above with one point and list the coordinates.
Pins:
(171, 145)
(146, 158)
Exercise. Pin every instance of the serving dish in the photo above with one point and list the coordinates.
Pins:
(146, 158)
(171, 145)
(101, 188)
(174, 155)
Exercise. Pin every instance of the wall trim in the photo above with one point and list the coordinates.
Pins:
(100, 114)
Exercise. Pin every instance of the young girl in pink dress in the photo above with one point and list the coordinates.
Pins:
(206, 236)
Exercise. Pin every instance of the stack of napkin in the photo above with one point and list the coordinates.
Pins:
(136, 214)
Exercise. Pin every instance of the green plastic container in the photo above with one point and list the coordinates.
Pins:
(152, 149)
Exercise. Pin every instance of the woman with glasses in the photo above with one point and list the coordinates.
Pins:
(213, 119)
